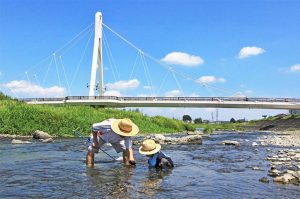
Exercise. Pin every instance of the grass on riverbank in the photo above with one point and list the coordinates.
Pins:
(22, 119)
(224, 126)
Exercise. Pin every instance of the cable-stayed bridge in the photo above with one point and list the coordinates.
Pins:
(153, 99)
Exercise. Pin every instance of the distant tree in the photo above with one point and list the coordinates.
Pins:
(198, 120)
(186, 118)
(232, 120)
(264, 116)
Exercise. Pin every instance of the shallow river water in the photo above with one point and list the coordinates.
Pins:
(210, 170)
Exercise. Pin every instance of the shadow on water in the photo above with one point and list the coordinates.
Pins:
(211, 170)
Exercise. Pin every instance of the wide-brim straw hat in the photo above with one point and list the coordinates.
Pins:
(124, 127)
(149, 147)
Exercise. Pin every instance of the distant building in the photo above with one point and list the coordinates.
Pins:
(294, 112)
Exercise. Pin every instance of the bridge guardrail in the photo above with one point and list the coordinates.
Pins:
(219, 99)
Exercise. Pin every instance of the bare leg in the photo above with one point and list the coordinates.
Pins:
(90, 159)
(127, 156)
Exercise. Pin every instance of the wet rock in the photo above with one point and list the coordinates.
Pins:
(254, 144)
(255, 168)
(231, 142)
(274, 173)
(195, 139)
(264, 180)
(284, 179)
(14, 141)
(49, 140)
(190, 139)
(41, 135)
(158, 138)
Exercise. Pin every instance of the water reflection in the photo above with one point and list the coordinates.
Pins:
(152, 185)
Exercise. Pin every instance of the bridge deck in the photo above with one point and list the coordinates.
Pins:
(197, 102)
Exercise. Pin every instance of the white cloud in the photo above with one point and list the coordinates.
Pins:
(295, 68)
(123, 85)
(24, 88)
(173, 93)
(113, 93)
(210, 79)
(249, 91)
(250, 51)
(182, 58)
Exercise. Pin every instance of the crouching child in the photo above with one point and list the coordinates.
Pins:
(157, 158)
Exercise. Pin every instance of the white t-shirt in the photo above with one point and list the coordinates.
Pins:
(105, 132)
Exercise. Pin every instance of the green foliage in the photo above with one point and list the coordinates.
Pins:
(4, 97)
(23, 119)
(232, 120)
(186, 118)
(208, 129)
(198, 120)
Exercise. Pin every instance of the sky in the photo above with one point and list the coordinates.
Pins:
(205, 48)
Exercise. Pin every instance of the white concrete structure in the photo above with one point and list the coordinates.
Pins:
(97, 58)
(195, 102)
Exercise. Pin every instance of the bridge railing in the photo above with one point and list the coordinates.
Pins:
(217, 99)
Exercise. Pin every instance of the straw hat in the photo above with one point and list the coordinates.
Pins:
(124, 127)
(149, 147)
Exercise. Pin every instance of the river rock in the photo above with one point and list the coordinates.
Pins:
(49, 140)
(231, 142)
(264, 180)
(14, 141)
(274, 172)
(284, 179)
(190, 139)
(41, 135)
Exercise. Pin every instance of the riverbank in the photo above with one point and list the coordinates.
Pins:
(18, 118)
(282, 138)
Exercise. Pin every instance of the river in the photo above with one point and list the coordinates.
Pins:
(210, 170)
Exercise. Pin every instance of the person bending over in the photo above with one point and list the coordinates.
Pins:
(118, 133)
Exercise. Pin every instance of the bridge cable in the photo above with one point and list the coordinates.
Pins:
(178, 84)
(158, 61)
(81, 33)
(163, 81)
(147, 74)
(136, 59)
(81, 58)
(66, 79)
(47, 71)
(57, 70)
(108, 56)
(113, 61)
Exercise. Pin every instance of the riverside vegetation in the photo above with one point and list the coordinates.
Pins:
(19, 118)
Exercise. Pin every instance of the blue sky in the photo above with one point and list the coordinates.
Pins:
(244, 48)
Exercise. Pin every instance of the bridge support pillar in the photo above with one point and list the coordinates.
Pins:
(97, 58)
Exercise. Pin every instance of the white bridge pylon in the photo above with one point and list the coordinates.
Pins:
(97, 62)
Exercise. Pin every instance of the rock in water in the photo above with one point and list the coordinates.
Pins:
(14, 141)
(264, 180)
(230, 142)
(41, 135)
(47, 140)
